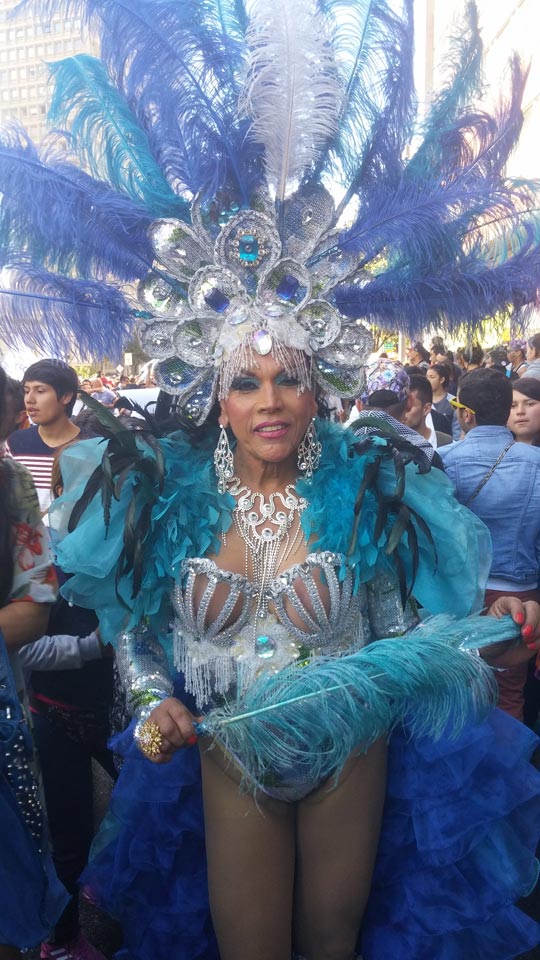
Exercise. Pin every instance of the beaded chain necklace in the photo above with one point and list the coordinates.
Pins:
(271, 530)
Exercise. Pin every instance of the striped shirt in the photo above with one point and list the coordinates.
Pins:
(28, 448)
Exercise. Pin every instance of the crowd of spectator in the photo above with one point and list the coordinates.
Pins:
(474, 414)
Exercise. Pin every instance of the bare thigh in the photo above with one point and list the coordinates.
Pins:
(250, 852)
(337, 837)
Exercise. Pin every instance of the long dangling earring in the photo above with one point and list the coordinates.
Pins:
(223, 460)
(309, 452)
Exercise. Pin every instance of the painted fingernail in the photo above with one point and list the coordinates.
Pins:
(192, 740)
(519, 618)
(530, 646)
(527, 630)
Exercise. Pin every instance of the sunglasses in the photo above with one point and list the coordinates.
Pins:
(461, 406)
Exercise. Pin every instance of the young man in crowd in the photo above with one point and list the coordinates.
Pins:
(499, 480)
(385, 403)
(420, 416)
(418, 356)
(50, 390)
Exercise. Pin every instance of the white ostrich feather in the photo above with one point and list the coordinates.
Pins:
(292, 89)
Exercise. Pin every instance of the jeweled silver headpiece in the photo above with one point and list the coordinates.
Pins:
(265, 290)
(213, 137)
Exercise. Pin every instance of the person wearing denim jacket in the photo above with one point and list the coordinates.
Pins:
(499, 480)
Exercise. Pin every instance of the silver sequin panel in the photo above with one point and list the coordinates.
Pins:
(220, 659)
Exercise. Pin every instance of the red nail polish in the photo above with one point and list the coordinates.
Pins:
(527, 630)
(519, 618)
(531, 646)
(192, 740)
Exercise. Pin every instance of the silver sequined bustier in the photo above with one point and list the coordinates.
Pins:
(312, 610)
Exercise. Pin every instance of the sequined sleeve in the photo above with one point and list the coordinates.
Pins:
(387, 615)
(143, 671)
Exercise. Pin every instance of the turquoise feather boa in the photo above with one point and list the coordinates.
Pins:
(189, 515)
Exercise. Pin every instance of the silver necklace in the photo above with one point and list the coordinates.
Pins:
(271, 530)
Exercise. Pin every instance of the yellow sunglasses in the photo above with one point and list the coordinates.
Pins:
(461, 406)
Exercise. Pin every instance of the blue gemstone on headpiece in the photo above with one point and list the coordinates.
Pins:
(248, 248)
(287, 287)
(217, 300)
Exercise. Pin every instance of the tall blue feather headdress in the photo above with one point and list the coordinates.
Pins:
(252, 175)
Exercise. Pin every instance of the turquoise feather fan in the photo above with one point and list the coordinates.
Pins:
(311, 717)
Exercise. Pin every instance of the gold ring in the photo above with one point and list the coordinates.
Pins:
(149, 739)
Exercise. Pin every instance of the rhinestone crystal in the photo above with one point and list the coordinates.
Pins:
(248, 248)
(265, 647)
(262, 342)
(287, 287)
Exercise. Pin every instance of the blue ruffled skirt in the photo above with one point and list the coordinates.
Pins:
(457, 849)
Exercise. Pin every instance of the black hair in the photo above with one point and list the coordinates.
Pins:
(488, 392)
(444, 372)
(473, 354)
(420, 348)
(387, 400)
(15, 390)
(58, 375)
(422, 387)
(528, 386)
(13, 405)
(534, 342)
(6, 517)
(498, 355)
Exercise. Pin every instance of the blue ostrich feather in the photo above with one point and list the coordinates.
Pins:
(172, 91)
(51, 209)
(462, 85)
(56, 315)
(466, 184)
(106, 136)
(313, 716)
(177, 66)
(372, 44)
(475, 143)
(459, 296)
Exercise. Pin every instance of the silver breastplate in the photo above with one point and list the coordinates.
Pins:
(313, 610)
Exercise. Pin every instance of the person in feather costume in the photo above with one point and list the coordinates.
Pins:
(256, 170)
